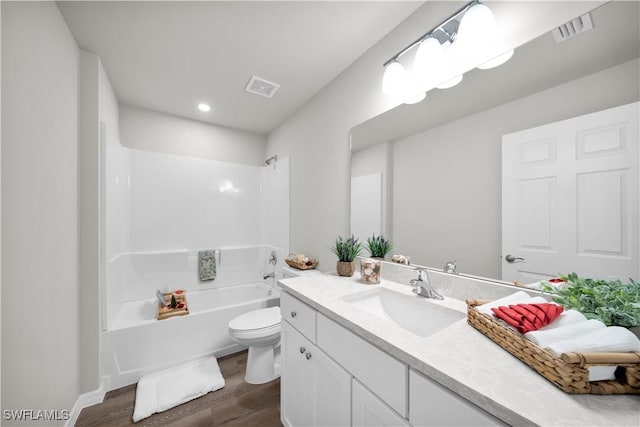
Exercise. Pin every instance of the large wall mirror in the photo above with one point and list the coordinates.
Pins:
(438, 163)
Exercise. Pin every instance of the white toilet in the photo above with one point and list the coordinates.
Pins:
(260, 331)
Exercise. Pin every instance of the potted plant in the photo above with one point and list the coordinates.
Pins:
(610, 301)
(346, 250)
(378, 246)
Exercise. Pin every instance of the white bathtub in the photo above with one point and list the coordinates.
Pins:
(137, 344)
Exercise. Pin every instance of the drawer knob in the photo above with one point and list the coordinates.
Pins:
(294, 314)
(302, 350)
(308, 356)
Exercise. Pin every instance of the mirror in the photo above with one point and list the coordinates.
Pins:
(440, 160)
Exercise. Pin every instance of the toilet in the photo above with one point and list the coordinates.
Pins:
(260, 331)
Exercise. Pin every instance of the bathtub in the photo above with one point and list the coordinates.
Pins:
(137, 344)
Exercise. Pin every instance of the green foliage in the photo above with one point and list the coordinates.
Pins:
(378, 246)
(612, 302)
(347, 249)
(174, 303)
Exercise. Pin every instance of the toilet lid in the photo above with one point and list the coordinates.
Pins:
(257, 319)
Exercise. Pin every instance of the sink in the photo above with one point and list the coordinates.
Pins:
(414, 314)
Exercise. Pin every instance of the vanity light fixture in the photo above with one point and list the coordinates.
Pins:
(469, 36)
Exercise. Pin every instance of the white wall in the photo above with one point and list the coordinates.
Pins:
(152, 131)
(99, 107)
(40, 367)
(316, 137)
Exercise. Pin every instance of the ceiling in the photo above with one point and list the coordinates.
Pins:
(168, 56)
(538, 65)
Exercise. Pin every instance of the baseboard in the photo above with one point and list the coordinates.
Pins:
(85, 400)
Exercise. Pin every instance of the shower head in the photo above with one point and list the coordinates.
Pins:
(271, 159)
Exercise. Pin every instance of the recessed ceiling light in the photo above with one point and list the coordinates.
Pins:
(204, 107)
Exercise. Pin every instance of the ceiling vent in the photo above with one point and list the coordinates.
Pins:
(573, 28)
(262, 87)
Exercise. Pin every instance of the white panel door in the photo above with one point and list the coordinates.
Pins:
(570, 198)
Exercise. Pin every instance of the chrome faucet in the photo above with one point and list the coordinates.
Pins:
(271, 275)
(422, 287)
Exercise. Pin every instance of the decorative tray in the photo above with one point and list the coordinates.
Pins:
(570, 372)
(182, 308)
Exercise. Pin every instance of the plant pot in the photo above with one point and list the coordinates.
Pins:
(346, 268)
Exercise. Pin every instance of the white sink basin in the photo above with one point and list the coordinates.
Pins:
(414, 314)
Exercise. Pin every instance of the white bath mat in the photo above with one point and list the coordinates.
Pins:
(172, 387)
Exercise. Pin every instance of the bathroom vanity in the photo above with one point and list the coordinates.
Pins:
(356, 354)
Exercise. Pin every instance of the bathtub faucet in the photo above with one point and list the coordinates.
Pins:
(271, 275)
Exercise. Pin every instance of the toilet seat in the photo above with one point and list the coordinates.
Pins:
(263, 322)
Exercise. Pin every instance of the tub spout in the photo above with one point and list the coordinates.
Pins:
(271, 275)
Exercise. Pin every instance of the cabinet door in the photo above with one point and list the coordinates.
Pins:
(296, 381)
(332, 400)
(431, 404)
(315, 391)
(369, 410)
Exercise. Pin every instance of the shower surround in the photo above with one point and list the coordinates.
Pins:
(160, 210)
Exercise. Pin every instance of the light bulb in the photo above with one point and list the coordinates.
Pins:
(450, 83)
(204, 107)
(394, 79)
(498, 60)
(428, 62)
(416, 98)
(478, 34)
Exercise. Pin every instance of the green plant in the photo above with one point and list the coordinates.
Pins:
(612, 302)
(174, 303)
(378, 246)
(347, 249)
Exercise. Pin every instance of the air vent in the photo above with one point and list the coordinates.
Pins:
(573, 28)
(262, 87)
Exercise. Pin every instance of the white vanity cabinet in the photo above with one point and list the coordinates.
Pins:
(369, 410)
(431, 404)
(333, 376)
(316, 391)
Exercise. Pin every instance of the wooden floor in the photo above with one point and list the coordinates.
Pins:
(237, 404)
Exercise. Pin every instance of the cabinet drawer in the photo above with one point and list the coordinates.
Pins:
(386, 376)
(299, 315)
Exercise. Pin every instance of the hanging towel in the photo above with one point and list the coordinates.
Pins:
(207, 265)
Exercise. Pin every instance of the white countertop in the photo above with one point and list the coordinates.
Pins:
(465, 361)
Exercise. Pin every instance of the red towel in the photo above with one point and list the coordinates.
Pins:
(528, 317)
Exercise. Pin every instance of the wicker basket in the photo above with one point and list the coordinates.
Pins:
(301, 265)
(570, 371)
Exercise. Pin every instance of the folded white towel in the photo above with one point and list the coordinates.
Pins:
(549, 337)
(509, 299)
(610, 339)
(568, 317)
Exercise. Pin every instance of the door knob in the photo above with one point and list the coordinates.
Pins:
(511, 258)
